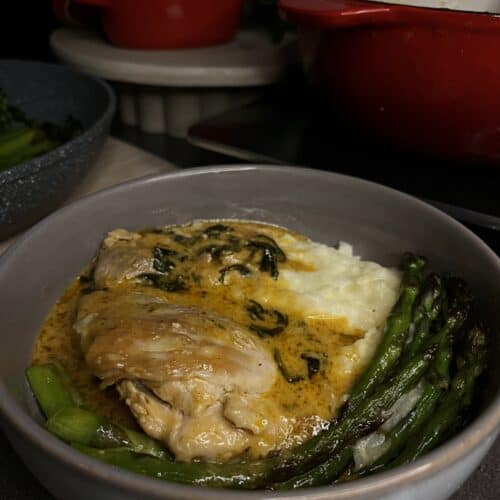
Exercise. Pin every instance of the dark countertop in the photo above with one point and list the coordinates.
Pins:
(473, 188)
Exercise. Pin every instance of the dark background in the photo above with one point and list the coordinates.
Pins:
(26, 29)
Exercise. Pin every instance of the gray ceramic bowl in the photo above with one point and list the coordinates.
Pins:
(51, 92)
(381, 223)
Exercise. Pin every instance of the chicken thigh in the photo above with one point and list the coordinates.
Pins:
(231, 339)
(186, 374)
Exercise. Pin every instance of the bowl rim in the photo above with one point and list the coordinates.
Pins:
(483, 427)
(25, 169)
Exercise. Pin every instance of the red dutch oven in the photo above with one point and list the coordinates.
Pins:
(160, 24)
(421, 79)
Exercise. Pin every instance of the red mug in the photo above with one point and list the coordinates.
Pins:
(164, 24)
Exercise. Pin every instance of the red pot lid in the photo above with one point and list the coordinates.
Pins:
(490, 6)
(345, 13)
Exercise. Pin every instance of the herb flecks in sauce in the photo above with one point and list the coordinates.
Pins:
(219, 267)
(267, 322)
(291, 379)
(232, 249)
(271, 254)
(314, 362)
(163, 259)
(176, 284)
(216, 230)
(240, 268)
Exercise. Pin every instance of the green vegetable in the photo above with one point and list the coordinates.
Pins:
(22, 138)
(396, 330)
(436, 353)
(66, 418)
(459, 307)
(455, 400)
(368, 416)
(441, 343)
(77, 425)
(320, 475)
(231, 475)
(409, 426)
(12, 134)
(52, 389)
(26, 153)
(88, 429)
(427, 309)
(14, 140)
(460, 303)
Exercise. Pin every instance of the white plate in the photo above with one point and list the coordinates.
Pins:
(167, 91)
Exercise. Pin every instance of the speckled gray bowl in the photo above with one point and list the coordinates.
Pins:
(51, 92)
(381, 223)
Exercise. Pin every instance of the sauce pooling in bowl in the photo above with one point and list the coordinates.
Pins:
(220, 338)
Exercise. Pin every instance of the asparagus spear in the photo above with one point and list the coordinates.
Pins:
(453, 403)
(75, 424)
(52, 388)
(22, 138)
(322, 458)
(458, 312)
(89, 430)
(17, 142)
(13, 134)
(442, 342)
(369, 415)
(427, 308)
(408, 427)
(62, 405)
(391, 347)
(84, 429)
(304, 457)
(372, 411)
(27, 153)
(359, 422)
(460, 301)
(322, 474)
(231, 475)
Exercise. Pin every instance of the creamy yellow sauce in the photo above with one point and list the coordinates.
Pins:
(313, 400)
(57, 341)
